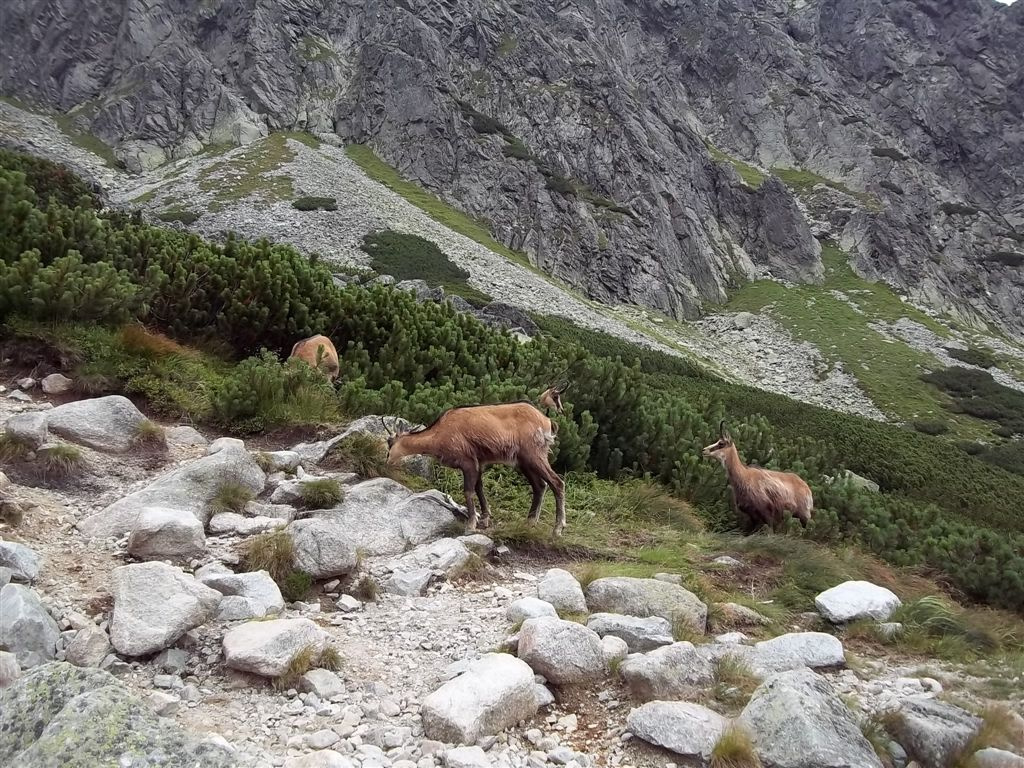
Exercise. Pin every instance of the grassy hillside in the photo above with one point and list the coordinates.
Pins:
(75, 287)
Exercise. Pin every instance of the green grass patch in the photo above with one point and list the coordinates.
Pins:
(321, 494)
(734, 749)
(273, 552)
(249, 173)
(315, 204)
(982, 358)
(85, 140)
(178, 214)
(230, 496)
(803, 181)
(312, 48)
(750, 175)
(362, 453)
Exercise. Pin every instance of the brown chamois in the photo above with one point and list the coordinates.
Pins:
(318, 352)
(471, 438)
(763, 496)
(551, 398)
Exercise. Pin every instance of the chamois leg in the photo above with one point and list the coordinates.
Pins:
(485, 510)
(558, 488)
(470, 475)
(539, 487)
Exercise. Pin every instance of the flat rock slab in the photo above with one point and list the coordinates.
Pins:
(267, 647)
(529, 608)
(640, 634)
(646, 597)
(854, 600)
(815, 650)
(684, 728)
(495, 692)
(109, 424)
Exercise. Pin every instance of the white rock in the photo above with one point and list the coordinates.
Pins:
(109, 424)
(18, 396)
(324, 683)
(561, 589)
(154, 605)
(267, 647)
(640, 634)
(283, 461)
(260, 592)
(347, 604)
(466, 757)
(934, 732)
(164, 704)
(615, 649)
(495, 692)
(816, 650)
(477, 543)
(446, 556)
(990, 757)
(731, 638)
(184, 437)
(684, 728)
(528, 608)
(28, 428)
(89, 647)
(562, 651)
(646, 597)
(23, 562)
(323, 547)
(325, 758)
(234, 524)
(670, 672)
(57, 384)
(26, 629)
(853, 600)
(26, 383)
(408, 583)
(161, 533)
(9, 669)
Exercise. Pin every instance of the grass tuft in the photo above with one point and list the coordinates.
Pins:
(734, 749)
(366, 589)
(735, 681)
(296, 586)
(12, 449)
(273, 552)
(330, 659)
(361, 453)
(230, 496)
(60, 461)
(321, 494)
(150, 436)
(300, 664)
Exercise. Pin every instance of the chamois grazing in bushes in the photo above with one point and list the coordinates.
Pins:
(319, 352)
(470, 438)
(763, 496)
(551, 398)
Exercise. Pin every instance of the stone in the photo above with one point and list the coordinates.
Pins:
(736, 615)
(154, 605)
(477, 543)
(528, 608)
(255, 593)
(496, 691)
(796, 720)
(731, 638)
(5, 575)
(9, 669)
(854, 600)
(324, 683)
(561, 589)
(727, 561)
(321, 739)
(640, 634)
(234, 524)
(23, 562)
(267, 647)
(184, 436)
(743, 320)
(26, 629)
(28, 429)
(669, 578)
(323, 547)
(61, 715)
(666, 673)
(172, 661)
(347, 604)
(26, 383)
(859, 482)
(466, 757)
(89, 647)
(57, 384)
(990, 757)
(816, 650)
(164, 704)
(282, 461)
(562, 651)
(161, 533)
(447, 557)
(109, 424)
(615, 650)
(543, 696)
(684, 728)
(646, 597)
(933, 732)
(408, 583)
(190, 487)
(324, 758)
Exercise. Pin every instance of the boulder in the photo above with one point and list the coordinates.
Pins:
(154, 605)
(60, 715)
(796, 720)
(560, 588)
(933, 732)
(22, 561)
(496, 691)
(562, 651)
(254, 594)
(28, 429)
(322, 758)
(859, 482)
(736, 615)
(684, 728)
(282, 461)
(467, 757)
(324, 683)
(189, 488)
(667, 673)
(640, 634)
(109, 424)
(9, 669)
(234, 524)
(991, 757)
(162, 533)
(448, 557)
(379, 426)
(184, 436)
(324, 547)
(409, 583)
(89, 647)
(816, 650)
(646, 597)
(528, 608)
(26, 629)
(57, 384)
(267, 647)
(477, 543)
(853, 600)
(615, 650)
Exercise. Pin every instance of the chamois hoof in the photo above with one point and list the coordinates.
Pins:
(558, 530)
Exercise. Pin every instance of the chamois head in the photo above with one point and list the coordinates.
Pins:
(720, 448)
(396, 450)
(552, 396)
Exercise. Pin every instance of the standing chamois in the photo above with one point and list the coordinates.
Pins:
(471, 438)
(763, 496)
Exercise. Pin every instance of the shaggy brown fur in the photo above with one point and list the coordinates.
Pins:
(472, 438)
(763, 496)
(319, 352)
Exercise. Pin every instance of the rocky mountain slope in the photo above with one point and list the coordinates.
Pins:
(581, 131)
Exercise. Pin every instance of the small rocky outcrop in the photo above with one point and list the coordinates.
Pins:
(26, 628)
(641, 635)
(933, 732)
(646, 597)
(267, 647)
(60, 715)
(246, 595)
(687, 729)
(494, 692)
(668, 673)
(796, 720)
(562, 651)
(154, 605)
(853, 600)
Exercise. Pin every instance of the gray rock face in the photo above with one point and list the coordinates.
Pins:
(494, 692)
(23, 562)
(560, 588)
(686, 729)
(323, 547)
(26, 629)
(934, 732)
(154, 605)
(60, 715)
(529, 608)
(267, 647)
(646, 597)
(88, 648)
(161, 533)
(853, 600)
(640, 634)
(105, 423)
(797, 649)
(562, 651)
(667, 673)
(188, 488)
(796, 720)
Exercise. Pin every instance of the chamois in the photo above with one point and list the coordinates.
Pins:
(471, 438)
(762, 495)
(319, 352)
